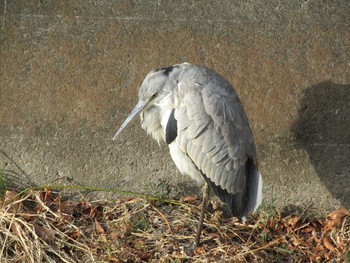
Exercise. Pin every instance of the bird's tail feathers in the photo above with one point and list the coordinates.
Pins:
(254, 188)
(246, 200)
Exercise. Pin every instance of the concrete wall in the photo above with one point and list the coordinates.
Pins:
(70, 72)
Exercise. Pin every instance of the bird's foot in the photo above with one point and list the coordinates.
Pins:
(190, 251)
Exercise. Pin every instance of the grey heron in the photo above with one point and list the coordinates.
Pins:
(199, 115)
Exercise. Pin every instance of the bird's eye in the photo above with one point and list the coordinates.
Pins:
(154, 95)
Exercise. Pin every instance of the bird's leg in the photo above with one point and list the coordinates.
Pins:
(201, 219)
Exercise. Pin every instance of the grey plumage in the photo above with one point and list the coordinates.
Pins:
(199, 114)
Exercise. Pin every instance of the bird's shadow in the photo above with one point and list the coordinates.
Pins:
(323, 130)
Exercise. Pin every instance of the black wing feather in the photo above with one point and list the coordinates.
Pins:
(237, 203)
(171, 128)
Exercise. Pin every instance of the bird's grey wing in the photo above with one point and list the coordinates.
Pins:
(214, 132)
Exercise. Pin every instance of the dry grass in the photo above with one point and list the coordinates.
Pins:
(40, 226)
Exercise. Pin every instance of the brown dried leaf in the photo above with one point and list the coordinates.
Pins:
(81, 209)
(99, 228)
(143, 255)
(292, 220)
(190, 198)
(336, 217)
(198, 251)
(75, 234)
(327, 242)
(46, 234)
(312, 258)
(127, 199)
(97, 211)
(308, 229)
(340, 212)
(114, 235)
(111, 258)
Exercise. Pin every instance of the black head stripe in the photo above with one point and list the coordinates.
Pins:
(166, 70)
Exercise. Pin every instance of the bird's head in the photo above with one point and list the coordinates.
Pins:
(157, 84)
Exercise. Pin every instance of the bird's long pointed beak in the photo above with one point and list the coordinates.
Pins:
(139, 106)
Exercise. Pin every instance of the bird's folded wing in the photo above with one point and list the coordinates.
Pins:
(210, 133)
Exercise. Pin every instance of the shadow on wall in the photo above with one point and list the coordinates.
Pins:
(15, 176)
(323, 130)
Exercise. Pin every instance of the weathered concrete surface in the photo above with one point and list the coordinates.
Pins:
(70, 71)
